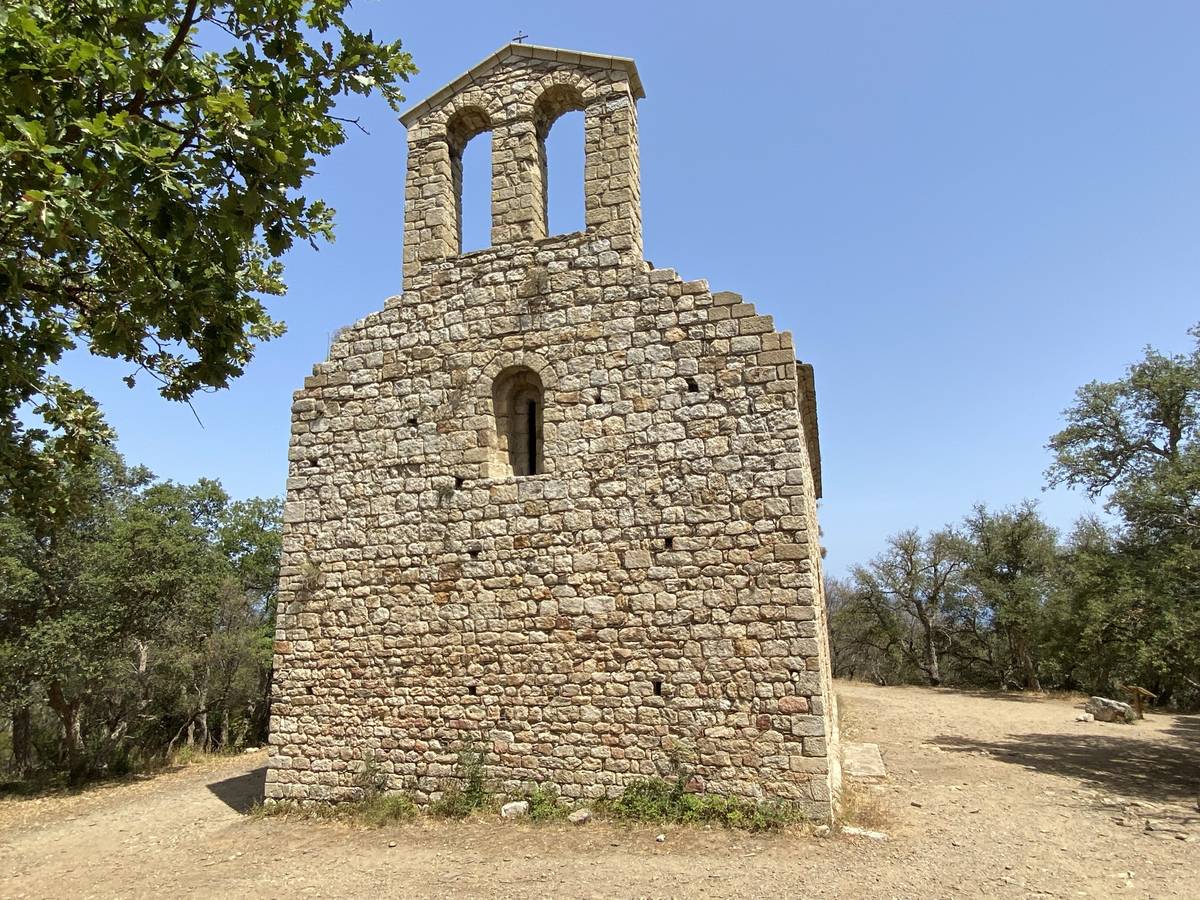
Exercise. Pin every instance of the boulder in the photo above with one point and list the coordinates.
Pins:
(579, 817)
(1106, 710)
(515, 809)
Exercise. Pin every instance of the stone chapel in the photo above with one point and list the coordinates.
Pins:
(550, 501)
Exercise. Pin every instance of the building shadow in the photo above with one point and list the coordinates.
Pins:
(243, 792)
(1127, 766)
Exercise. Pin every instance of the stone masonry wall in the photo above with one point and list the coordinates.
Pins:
(658, 585)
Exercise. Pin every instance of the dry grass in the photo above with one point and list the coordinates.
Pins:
(372, 812)
(860, 804)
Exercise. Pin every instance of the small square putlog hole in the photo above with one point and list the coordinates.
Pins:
(669, 543)
(657, 685)
(472, 690)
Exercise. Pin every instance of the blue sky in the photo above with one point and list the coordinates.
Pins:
(962, 212)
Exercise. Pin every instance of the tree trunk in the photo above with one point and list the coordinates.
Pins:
(141, 666)
(202, 716)
(1032, 682)
(932, 668)
(202, 721)
(68, 714)
(22, 742)
(1020, 650)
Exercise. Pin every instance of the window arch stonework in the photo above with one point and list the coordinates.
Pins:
(516, 441)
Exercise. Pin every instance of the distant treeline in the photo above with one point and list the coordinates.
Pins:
(1001, 600)
(136, 618)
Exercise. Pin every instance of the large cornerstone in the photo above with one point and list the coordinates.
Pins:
(551, 502)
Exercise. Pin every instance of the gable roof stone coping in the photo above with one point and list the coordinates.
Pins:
(475, 74)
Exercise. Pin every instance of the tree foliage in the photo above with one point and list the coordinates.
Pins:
(143, 617)
(1136, 442)
(908, 597)
(153, 155)
(1010, 576)
(1109, 606)
(1126, 436)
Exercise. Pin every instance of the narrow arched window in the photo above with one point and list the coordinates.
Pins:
(559, 119)
(469, 135)
(517, 402)
(562, 173)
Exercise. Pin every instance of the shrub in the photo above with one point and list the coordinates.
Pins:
(384, 809)
(468, 791)
(667, 802)
(545, 804)
(370, 779)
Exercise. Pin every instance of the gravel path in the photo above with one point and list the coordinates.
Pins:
(988, 796)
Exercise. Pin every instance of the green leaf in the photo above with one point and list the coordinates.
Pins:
(154, 192)
(33, 131)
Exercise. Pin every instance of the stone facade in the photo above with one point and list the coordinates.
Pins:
(551, 501)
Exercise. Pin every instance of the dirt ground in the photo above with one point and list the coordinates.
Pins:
(987, 796)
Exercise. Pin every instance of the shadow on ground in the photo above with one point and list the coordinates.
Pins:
(242, 793)
(51, 784)
(1128, 766)
(1187, 728)
(1012, 696)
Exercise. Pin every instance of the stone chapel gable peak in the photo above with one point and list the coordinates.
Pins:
(513, 54)
(517, 94)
